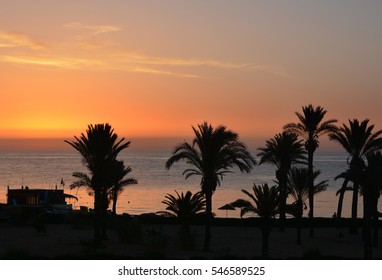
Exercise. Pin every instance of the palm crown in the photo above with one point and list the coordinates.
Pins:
(358, 139)
(184, 206)
(311, 125)
(212, 154)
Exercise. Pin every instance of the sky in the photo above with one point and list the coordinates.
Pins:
(154, 69)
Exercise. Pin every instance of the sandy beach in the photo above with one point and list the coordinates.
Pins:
(62, 241)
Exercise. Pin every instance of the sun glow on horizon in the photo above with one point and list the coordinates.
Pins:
(155, 70)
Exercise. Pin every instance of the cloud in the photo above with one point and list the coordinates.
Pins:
(161, 72)
(167, 61)
(59, 62)
(14, 40)
(89, 52)
(94, 29)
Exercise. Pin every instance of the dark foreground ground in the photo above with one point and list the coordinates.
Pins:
(160, 239)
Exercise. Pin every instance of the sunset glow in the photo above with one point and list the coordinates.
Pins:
(155, 68)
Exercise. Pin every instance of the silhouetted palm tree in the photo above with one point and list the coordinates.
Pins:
(184, 207)
(266, 205)
(358, 140)
(311, 126)
(119, 172)
(283, 150)
(98, 148)
(298, 189)
(369, 178)
(212, 154)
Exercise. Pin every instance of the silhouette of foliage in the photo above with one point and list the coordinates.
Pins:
(283, 150)
(264, 203)
(358, 140)
(212, 154)
(99, 147)
(310, 127)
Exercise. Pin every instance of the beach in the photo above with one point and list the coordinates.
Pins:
(63, 241)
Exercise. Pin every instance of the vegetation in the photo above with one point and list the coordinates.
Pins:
(216, 151)
(212, 154)
(283, 150)
(99, 148)
(298, 189)
(311, 126)
(359, 141)
(119, 172)
(184, 207)
(265, 204)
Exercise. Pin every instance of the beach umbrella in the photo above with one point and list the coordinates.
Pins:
(226, 208)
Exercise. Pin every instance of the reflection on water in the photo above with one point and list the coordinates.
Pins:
(46, 169)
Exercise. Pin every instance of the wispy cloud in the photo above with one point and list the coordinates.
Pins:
(59, 62)
(90, 52)
(94, 29)
(13, 40)
(141, 58)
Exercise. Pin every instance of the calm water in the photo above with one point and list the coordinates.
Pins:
(45, 170)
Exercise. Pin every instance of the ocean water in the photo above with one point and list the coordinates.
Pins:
(46, 169)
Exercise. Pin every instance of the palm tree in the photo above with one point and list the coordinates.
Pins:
(213, 152)
(298, 189)
(99, 147)
(283, 150)
(369, 178)
(119, 172)
(311, 126)
(359, 141)
(184, 207)
(266, 206)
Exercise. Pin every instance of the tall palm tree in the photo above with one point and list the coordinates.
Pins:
(298, 189)
(99, 146)
(266, 205)
(212, 154)
(184, 207)
(283, 150)
(369, 178)
(119, 172)
(358, 140)
(311, 126)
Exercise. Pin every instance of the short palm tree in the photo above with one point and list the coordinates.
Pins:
(212, 154)
(298, 189)
(119, 180)
(311, 126)
(99, 147)
(265, 204)
(359, 140)
(283, 150)
(184, 207)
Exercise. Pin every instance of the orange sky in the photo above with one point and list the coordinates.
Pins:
(156, 68)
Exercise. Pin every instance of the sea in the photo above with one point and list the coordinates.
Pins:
(53, 169)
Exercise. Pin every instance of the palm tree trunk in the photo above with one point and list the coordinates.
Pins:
(354, 228)
(367, 226)
(283, 178)
(299, 221)
(265, 241)
(97, 216)
(310, 190)
(341, 198)
(207, 236)
(375, 221)
(115, 203)
(104, 216)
